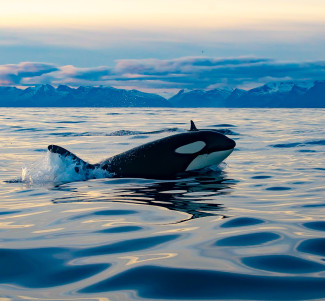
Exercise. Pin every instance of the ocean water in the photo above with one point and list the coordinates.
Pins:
(250, 229)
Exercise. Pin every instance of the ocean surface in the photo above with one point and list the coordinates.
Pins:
(251, 229)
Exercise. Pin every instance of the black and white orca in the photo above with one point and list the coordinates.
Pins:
(161, 159)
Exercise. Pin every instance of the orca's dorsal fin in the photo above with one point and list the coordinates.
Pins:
(193, 127)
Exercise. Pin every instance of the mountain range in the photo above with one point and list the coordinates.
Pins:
(64, 96)
(272, 95)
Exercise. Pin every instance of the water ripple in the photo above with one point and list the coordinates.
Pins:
(250, 239)
(241, 222)
(319, 225)
(295, 144)
(43, 267)
(190, 284)
(115, 133)
(313, 246)
(126, 246)
(283, 264)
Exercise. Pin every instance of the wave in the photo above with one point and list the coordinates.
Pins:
(117, 133)
(28, 130)
(227, 132)
(223, 125)
(53, 169)
(297, 144)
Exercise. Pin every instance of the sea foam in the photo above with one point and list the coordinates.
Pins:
(55, 169)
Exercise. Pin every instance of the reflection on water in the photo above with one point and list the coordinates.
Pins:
(251, 230)
(197, 196)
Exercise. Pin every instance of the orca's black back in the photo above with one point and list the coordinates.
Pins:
(158, 159)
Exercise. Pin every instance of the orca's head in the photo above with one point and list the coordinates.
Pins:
(208, 147)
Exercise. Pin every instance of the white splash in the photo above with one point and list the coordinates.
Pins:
(55, 169)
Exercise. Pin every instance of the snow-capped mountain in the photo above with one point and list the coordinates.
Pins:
(64, 96)
(287, 94)
(274, 95)
(277, 95)
(281, 87)
(201, 98)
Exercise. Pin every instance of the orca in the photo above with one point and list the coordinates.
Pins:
(163, 158)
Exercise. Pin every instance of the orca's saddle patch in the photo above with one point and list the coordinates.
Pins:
(190, 148)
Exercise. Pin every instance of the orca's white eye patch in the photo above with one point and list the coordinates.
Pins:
(190, 148)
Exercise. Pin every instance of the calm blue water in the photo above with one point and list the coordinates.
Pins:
(252, 229)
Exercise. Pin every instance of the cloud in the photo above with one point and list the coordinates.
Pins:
(166, 75)
(198, 72)
(12, 74)
(184, 65)
(91, 74)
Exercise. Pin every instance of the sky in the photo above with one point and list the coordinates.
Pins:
(161, 46)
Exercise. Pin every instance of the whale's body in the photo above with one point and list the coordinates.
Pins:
(163, 158)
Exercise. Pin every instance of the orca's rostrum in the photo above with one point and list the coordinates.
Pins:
(163, 158)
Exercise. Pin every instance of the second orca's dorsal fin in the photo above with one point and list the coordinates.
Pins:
(193, 127)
